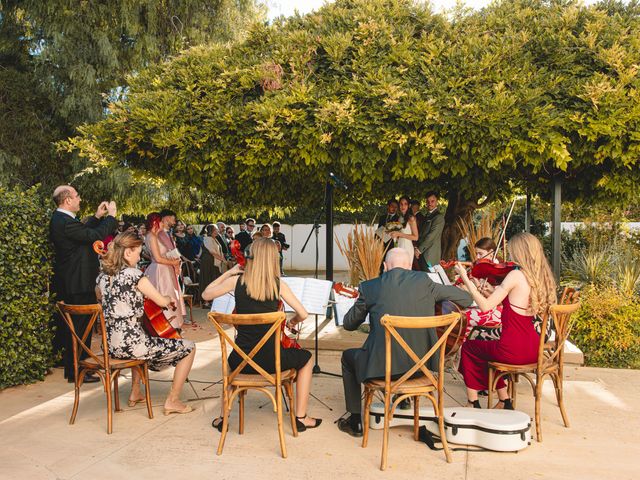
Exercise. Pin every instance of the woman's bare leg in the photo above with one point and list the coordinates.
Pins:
(303, 387)
(136, 393)
(179, 377)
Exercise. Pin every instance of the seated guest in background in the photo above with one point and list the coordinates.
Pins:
(279, 237)
(230, 234)
(245, 236)
(398, 291)
(211, 259)
(194, 242)
(122, 288)
(258, 290)
(180, 236)
(525, 294)
(266, 230)
(221, 238)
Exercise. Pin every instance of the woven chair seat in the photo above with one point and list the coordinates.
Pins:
(419, 383)
(256, 380)
(114, 363)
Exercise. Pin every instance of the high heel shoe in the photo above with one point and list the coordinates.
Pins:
(474, 404)
(301, 427)
(133, 403)
(217, 423)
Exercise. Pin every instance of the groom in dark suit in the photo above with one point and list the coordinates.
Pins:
(398, 291)
(76, 265)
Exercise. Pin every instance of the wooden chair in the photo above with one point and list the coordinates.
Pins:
(188, 300)
(569, 295)
(106, 367)
(405, 386)
(550, 363)
(236, 384)
(193, 287)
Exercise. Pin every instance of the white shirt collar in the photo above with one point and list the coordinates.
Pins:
(67, 212)
(431, 211)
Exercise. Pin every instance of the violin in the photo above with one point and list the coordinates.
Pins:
(341, 289)
(154, 320)
(494, 273)
(237, 252)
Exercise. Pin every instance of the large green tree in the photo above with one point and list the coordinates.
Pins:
(395, 99)
(63, 61)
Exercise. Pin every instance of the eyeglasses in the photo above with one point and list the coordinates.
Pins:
(249, 225)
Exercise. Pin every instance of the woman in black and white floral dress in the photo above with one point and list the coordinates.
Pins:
(122, 288)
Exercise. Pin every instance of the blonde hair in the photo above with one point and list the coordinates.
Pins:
(262, 271)
(526, 250)
(114, 260)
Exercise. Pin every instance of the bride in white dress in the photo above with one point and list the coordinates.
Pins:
(409, 232)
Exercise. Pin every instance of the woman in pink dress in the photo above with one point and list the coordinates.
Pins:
(163, 271)
(524, 293)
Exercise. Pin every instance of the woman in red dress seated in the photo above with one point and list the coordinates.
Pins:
(524, 293)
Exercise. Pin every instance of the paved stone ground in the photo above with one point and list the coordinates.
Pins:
(38, 442)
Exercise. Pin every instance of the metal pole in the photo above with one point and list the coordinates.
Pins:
(527, 214)
(556, 226)
(329, 230)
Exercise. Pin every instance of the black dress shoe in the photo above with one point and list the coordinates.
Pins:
(345, 425)
(89, 378)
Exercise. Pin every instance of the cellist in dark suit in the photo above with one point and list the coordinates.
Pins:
(398, 291)
(76, 265)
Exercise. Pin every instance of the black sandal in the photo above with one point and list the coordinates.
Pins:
(218, 425)
(474, 404)
(301, 427)
(506, 404)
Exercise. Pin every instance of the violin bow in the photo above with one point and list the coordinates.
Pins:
(502, 239)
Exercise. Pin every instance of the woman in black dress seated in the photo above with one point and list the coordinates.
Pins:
(258, 290)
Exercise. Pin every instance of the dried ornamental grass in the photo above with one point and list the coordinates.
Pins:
(364, 253)
(487, 227)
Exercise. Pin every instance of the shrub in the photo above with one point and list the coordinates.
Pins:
(607, 328)
(25, 268)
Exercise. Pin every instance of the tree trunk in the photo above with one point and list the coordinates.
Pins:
(459, 208)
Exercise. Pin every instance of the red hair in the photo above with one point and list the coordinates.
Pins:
(153, 221)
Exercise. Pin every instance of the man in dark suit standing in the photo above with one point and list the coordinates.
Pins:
(398, 291)
(429, 248)
(244, 237)
(76, 265)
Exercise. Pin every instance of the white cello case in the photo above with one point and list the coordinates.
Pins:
(498, 430)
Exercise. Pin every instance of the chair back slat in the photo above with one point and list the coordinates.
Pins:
(274, 319)
(562, 319)
(78, 340)
(392, 323)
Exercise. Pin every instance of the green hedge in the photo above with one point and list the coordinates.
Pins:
(25, 268)
(607, 328)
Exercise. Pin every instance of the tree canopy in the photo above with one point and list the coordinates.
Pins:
(64, 60)
(395, 99)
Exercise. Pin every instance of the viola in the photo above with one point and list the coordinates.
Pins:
(494, 273)
(154, 320)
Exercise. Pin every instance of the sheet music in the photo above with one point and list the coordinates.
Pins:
(312, 293)
(343, 304)
(224, 304)
(438, 275)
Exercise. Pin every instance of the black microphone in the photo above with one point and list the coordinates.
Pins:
(338, 181)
